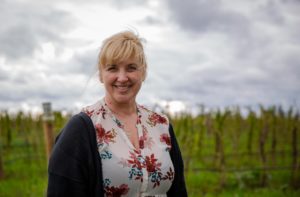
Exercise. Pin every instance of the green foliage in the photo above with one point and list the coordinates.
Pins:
(225, 153)
(24, 178)
(225, 150)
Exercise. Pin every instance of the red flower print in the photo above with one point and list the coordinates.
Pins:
(155, 118)
(153, 168)
(151, 164)
(116, 191)
(102, 111)
(137, 163)
(138, 121)
(136, 159)
(141, 143)
(169, 175)
(89, 113)
(145, 140)
(105, 136)
(165, 138)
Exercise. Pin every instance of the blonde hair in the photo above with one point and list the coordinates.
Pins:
(122, 46)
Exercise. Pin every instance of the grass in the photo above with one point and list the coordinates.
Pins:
(206, 184)
(24, 178)
(25, 173)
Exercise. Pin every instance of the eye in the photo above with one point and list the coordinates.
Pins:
(132, 67)
(111, 67)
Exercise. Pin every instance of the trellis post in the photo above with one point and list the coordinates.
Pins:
(48, 119)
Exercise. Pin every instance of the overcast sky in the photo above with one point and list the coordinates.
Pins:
(211, 52)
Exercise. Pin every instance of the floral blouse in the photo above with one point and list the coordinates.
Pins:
(127, 171)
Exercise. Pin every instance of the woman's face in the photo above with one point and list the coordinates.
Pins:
(122, 81)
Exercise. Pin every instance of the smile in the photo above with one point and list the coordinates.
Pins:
(122, 88)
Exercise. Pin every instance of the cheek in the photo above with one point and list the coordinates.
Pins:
(139, 83)
(138, 77)
(107, 78)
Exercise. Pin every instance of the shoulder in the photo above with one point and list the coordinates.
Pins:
(92, 110)
(76, 132)
(153, 118)
(78, 122)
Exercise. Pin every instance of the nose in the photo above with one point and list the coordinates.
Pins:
(122, 76)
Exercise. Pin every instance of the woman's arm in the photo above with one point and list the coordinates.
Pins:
(178, 187)
(70, 167)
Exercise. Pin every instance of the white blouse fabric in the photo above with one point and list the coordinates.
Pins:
(127, 171)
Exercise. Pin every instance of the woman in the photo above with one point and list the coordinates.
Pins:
(116, 147)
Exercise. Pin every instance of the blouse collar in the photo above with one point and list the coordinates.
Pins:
(115, 119)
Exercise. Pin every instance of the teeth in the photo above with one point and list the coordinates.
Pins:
(122, 87)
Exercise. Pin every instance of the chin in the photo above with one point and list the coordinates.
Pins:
(124, 99)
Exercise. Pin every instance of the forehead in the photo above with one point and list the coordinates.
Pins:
(127, 61)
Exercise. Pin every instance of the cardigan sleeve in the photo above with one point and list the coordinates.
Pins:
(70, 165)
(178, 187)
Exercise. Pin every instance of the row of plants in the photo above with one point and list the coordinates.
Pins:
(223, 150)
(227, 149)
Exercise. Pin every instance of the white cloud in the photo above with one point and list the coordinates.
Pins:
(217, 53)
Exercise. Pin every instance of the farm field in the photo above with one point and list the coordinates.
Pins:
(225, 153)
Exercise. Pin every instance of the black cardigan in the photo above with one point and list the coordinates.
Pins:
(75, 165)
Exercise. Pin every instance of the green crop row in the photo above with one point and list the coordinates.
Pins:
(225, 153)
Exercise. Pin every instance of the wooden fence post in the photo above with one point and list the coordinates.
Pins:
(48, 119)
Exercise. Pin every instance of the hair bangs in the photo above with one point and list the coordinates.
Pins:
(119, 51)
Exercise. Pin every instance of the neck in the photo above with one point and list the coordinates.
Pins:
(123, 109)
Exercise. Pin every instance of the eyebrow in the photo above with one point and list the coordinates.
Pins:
(132, 64)
(110, 65)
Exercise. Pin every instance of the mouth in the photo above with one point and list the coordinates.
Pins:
(122, 88)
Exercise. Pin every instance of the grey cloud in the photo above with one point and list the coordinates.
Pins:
(224, 87)
(271, 48)
(81, 63)
(272, 79)
(126, 4)
(53, 88)
(87, 62)
(29, 25)
(17, 42)
(151, 20)
(203, 16)
(4, 75)
(263, 64)
(270, 12)
(116, 3)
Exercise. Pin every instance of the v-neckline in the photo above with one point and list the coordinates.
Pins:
(121, 127)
